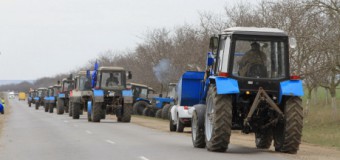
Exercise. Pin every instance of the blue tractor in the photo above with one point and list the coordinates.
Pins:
(30, 99)
(155, 105)
(50, 99)
(248, 86)
(110, 94)
(39, 97)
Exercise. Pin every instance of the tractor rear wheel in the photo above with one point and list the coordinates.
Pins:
(159, 113)
(29, 104)
(126, 115)
(218, 118)
(263, 139)
(165, 111)
(197, 127)
(139, 107)
(146, 111)
(60, 106)
(96, 112)
(287, 134)
(46, 107)
(36, 106)
(70, 105)
(51, 107)
(75, 110)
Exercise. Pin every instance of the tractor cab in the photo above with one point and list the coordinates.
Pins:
(254, 57)
(67, 85)
(112, 79)
(83, 81)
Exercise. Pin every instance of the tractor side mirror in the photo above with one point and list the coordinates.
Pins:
(292, 42)
(129, 75)
(213, 43)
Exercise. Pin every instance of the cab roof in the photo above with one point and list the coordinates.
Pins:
(42, 88)
(255, 31)
(111, 69)
(136, 84)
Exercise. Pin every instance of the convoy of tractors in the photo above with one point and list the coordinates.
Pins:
(246, 85)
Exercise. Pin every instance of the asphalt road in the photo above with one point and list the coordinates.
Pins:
(31, 134)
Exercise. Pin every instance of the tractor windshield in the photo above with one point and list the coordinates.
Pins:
(111, 80)
(40, 93)
(84, 83)
(259, 59)
(68, 85)
(56, 91)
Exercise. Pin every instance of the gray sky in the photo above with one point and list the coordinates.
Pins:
(37, 36)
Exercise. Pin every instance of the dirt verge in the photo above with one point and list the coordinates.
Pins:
(306, 152)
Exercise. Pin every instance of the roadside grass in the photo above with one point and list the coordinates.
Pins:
(322, 124)
(3, 116)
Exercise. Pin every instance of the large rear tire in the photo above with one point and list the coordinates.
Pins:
(46, 107)
(96, 114)
(36, 106)
(197, 127)
(165, 111)
(146, 111)
(70, 113)
(218, 118)
(139, 107)
(159, 113)
(287, 134)
(29, 104)
(51, 107)
(60, 106)
(75, 111)
(126, 116)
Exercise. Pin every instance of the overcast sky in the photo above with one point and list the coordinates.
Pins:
(45, 37)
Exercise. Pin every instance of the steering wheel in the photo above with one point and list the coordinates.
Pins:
(257, 70)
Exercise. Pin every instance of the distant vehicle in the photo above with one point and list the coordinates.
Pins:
(22, 96)
(11, 95)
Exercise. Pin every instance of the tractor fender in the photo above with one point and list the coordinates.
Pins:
(128, 97)
(291, 88)
(98, 95)
(173, 112)
(225, 85)
(143, 99)
(61, 95)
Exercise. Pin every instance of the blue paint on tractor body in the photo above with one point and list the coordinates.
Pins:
(226, 85)
(190, 88)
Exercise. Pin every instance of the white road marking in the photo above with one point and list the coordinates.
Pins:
(143, 158)
(88, 132)
(109, 141)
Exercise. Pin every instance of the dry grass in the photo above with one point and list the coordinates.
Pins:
(322, 124)
(3, 117)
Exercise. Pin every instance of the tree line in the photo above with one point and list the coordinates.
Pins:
(314, 24)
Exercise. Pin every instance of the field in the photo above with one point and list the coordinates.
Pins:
(322, 124)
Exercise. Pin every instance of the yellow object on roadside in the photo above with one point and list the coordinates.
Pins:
(22, 96)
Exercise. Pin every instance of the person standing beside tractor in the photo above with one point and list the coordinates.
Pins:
(253, 62)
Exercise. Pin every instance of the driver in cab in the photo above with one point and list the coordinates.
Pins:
(112, 80)
(251, 58)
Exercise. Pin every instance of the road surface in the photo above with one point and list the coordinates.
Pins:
(37, 135)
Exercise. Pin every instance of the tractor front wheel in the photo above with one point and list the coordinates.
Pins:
(75, 110)
(197, 126)
(139, 107)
